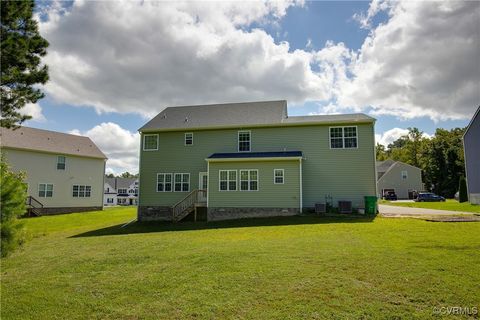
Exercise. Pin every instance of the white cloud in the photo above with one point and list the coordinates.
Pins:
(393, 134)
(35, 111)
(119, 145)
(424, 61)
(143, 56)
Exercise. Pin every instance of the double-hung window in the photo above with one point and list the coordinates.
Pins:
(80, 191)
(150, 142)
(278, 176)
(228, 180)
(61, 162)
(343, 137)
(249, 180)
(189, 139)
(404, 175)
(182, 182)
(164, 182)
(45, 190)
(244, 141)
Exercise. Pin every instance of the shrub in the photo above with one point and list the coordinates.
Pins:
(462, 190)
(12, 205)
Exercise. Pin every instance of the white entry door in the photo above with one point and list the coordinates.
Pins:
(203, 185)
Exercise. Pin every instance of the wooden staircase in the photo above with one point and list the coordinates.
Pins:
(34, 207)
(189, 204)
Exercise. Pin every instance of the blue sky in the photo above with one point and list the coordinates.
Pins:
(86, 91)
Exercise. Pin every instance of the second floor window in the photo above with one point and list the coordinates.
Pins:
(189, 139)
(343, 137)
(244, 139)
(61, 162)
(150, 142)
(122, 191)
(404, 175)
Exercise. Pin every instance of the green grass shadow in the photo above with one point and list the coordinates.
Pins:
(158, 226)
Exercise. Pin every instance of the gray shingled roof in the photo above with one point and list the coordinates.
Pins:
(120, 183)
(383, 166)
(247, 114)
(49, 141)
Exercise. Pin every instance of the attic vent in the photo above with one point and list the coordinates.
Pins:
(78, 150)
(164, 116)
(186, 119)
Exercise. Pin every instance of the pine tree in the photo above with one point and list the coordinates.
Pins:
(462, 190)
(21, 50)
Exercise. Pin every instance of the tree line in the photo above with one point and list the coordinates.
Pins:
(441, 157)
(126, 174)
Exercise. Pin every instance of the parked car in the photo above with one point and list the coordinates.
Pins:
(428, 197)
(390, 195)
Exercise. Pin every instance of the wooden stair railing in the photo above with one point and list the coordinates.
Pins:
(33, 207)
(187, 205)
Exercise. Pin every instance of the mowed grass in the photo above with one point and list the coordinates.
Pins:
(84, 266)
(449, 204)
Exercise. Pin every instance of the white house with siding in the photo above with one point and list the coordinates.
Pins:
(404, 179)
(120, 191)
(64, 172)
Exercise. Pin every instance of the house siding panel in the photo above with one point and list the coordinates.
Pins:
(471, 142)
(345, 174)
(42, 168)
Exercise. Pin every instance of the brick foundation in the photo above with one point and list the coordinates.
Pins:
(216, 214)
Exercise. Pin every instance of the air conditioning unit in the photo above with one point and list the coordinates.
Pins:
(320, 208)
(345, 206)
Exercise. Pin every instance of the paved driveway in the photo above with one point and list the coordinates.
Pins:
(387, 210)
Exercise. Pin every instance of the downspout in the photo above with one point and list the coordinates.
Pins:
(301, 188)
(208, 181)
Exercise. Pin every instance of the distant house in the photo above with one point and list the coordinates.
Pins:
(471, 147)
(120, 191)
(405, 180)
(252, 159)
(64, 172)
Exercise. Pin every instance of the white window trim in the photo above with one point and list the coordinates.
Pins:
(65, 163)
(283, 176)
(228, 180)
(171, 181)
(185, 139)
(238, 140)
(240, 181)
(343, 137)
(84, 190)
(181, 173)
(406, 175)
(53, 189)
(149, 135)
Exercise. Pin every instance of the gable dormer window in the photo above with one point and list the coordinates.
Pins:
(244, 141)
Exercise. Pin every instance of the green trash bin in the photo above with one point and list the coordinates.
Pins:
(370, 205)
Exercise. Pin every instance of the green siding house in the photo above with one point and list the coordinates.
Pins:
(252, 160)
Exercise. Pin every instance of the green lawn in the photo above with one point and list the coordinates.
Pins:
(84, 266)
(449, 204)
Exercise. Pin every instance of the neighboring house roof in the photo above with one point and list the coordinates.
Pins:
(50, 141)
(246, 114)
(383, 166)
(244, 155)
(475, 115)
(120, 183)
